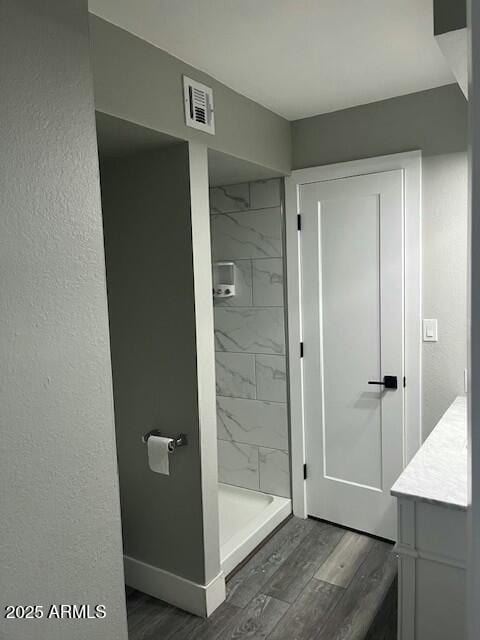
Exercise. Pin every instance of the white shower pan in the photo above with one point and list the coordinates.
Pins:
(246, 518)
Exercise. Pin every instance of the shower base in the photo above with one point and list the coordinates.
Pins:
(246, 518)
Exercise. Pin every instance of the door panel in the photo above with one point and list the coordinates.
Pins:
(350, 315)
(352, 284)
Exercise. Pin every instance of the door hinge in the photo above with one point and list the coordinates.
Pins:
(304, 471)
(404, 381)
(299, 222)
(301, 349)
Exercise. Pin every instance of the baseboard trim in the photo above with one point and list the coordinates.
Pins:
(199, 599)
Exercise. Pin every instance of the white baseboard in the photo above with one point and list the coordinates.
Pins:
(200, 599)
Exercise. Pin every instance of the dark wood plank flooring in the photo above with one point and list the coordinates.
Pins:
(310, 581)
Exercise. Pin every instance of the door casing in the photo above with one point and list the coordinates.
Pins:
(411, 163)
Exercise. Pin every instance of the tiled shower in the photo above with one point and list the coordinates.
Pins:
(246, 223)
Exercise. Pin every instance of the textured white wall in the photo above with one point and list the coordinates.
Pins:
(445, 225)
(60, 524)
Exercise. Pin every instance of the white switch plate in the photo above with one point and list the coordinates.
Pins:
(430, 330)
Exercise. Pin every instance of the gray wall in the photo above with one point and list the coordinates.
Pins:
(449, 15)
(139, 82)
(247, 227)
(60, 518)
(148, 241)
(434, 121)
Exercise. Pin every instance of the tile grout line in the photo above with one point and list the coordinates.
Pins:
(280, 402)
(242, 211)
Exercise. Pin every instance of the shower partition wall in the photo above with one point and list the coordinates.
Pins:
(156, 227)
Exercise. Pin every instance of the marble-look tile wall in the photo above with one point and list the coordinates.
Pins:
(246, 224)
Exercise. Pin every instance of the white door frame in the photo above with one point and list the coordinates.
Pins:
(411, 163)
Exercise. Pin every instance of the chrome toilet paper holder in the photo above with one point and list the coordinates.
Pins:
(179, 440)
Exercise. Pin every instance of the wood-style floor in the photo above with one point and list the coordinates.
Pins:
(311, 580)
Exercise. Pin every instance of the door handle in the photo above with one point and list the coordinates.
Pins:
(389, 382)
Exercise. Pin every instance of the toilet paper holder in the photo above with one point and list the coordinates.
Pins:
(177, 441)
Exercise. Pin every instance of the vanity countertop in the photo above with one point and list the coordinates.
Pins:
(438, 472)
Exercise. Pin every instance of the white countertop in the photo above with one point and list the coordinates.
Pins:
(438, 472)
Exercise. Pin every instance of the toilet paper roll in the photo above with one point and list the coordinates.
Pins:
(158, 450)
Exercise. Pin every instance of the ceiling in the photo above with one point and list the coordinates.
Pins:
(296, 57)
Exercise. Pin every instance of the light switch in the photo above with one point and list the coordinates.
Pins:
(430, 330)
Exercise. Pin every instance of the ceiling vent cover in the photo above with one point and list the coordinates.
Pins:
(198, 105)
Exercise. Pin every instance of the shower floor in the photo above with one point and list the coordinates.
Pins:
(246, 518)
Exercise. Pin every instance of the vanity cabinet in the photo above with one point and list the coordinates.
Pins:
(432, 521)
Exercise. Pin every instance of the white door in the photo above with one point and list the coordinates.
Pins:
(353, 332)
